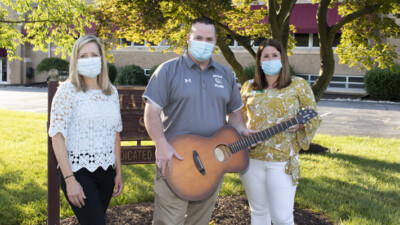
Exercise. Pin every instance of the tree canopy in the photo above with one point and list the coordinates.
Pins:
(40, 22)
(158, 20)
(365, 26)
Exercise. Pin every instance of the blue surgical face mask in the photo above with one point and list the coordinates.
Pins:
(89, 67)
(271, 67)
(201, 50)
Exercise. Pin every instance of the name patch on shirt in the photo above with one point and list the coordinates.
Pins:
(257, 91)
(218, 81)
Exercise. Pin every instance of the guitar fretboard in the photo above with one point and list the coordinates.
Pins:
(262, 135)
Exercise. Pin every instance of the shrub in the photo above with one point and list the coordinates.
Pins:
(292, 70)
(112, 71)
(131, 75)
(383, 83)
(52, 63)
(152, 69)
(250, 70)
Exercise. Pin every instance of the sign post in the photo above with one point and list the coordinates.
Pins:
(53, 193)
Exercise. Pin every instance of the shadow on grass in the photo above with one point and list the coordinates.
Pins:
(344, 200)
(19, 204)
(362, 198)
(378, 168)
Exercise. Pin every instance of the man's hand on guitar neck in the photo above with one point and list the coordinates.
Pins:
(247, 132)
(164, 154)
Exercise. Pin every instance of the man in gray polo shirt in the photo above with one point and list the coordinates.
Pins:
(191, 94)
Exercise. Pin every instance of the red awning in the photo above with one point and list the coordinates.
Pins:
(304, 17)
(3, 52)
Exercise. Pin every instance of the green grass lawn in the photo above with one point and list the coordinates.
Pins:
(358, 182)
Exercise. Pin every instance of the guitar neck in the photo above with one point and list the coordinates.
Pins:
(246, 142)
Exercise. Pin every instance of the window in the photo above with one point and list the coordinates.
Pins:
(312, 40)
(124, 41)
(254, 42)
(231, 42)
(315, 40)
(136, 44)
(245, 40)
(336, 40)
(258, 41)
(302, 40)
(3, 69)
(151, 43)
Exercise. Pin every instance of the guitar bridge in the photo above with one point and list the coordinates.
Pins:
(198, 163)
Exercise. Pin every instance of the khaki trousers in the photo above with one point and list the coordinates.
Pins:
(169, 209)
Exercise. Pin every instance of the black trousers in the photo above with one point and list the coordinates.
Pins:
(98, 187)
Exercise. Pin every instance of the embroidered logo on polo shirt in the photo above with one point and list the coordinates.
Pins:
(218, 81)
(188, 80)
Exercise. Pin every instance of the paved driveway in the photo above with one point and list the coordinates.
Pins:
(338, 117)
(358, 118)
(24, 99)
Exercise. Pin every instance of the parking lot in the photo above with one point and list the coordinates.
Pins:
(339, 117)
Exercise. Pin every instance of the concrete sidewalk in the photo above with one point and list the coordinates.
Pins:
(339, 117)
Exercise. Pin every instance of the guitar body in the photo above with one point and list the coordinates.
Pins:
(196, 182)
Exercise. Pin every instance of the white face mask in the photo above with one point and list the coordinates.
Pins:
(201, 50)
(271, 67)
(89, 67)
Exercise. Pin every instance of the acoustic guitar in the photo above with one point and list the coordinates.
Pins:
(207, 159)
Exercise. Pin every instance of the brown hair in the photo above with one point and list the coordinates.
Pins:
(284, 78)
(204, 20)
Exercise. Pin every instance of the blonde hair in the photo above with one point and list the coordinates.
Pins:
(260, 82)
(76, 79)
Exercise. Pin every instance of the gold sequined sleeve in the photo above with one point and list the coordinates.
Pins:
(307, 101)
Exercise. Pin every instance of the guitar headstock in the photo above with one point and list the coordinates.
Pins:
(304, 116)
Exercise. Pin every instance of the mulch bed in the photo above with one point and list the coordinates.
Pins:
(228, 210)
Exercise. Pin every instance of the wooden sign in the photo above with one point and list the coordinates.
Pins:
(137, 154)
(132, 113)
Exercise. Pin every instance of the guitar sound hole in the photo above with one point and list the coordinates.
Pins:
(222, 153)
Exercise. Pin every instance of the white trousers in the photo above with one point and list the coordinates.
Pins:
(270, 193)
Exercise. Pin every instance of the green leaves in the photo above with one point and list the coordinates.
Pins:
(40, 22)
(365, 39)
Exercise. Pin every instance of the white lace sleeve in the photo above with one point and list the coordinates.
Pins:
(61, 109)
(116, 99)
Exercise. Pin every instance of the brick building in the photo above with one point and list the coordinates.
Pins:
(305, 58)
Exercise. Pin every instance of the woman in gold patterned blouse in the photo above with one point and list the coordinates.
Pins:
(271, 98)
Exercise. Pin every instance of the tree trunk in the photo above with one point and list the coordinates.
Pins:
(230, 57)
(326, 71)
(285, 33)
(327, 61)
(278, 17)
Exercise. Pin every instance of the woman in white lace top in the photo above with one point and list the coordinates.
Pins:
(84, 126)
